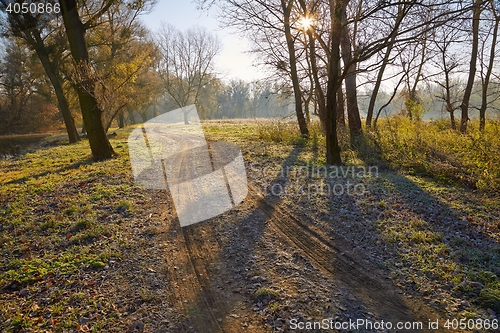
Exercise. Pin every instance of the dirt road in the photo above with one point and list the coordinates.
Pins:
(264, 267)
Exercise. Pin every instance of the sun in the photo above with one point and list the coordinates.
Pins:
(306, 22)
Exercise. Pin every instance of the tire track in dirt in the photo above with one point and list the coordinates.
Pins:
(198, 300)
(184, 283)
(205, 306)
(211, 308)
(367, 283)
(190, 287)
(200, 290)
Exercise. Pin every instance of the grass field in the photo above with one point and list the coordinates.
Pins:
(65, 220)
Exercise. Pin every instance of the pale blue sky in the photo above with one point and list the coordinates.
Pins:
(233, 62)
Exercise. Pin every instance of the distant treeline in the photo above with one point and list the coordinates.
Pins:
(236, 99)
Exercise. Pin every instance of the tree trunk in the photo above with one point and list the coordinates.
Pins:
(332, 144)
(394, 92)
(287, 9)
(449, 106)
(121, 120)
(353, 116)
(486, 82)
(476, 13)
(63, 104)
(340, 108)
(482, 109)
(320, 95)
(92, 114)
(307, 103)
(452, 119)
(37, 42)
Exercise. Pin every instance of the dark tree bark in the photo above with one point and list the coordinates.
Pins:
(131, 117)
(91, 112)
(452, 120)
(318, 89)
(54, 78)
(340, 108)
(121, 120)
(320, 95)
(476, 13)
(287, 6)
(353, 116)
(320, 105)
(334, 81)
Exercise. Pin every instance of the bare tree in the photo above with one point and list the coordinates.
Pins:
(311, 12)
(186, 63)
(348, 47)
(492, 37)
(287, 6)
(362, 31)
(274, 31)
(449, 62)
(386, 104)
(401, 14)
(337, 9)
(414, 57)
(476, 15)
(370, 40)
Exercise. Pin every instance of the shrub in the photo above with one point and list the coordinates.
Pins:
(432, 149)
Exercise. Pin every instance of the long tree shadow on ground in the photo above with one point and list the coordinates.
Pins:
(437, 240)
(234, 265)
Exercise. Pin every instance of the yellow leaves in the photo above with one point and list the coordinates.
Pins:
(126, 71)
